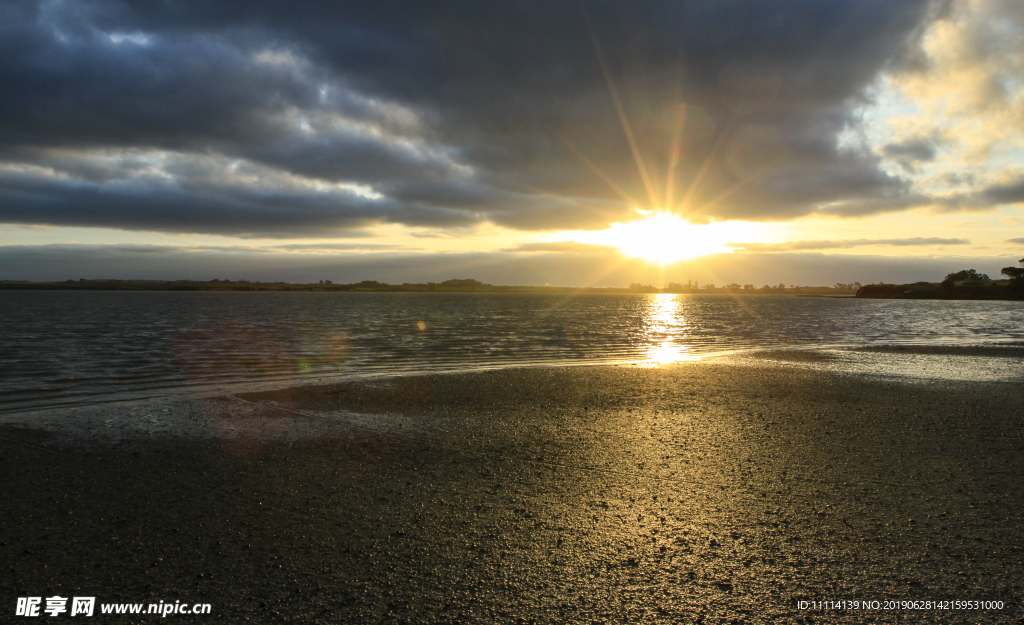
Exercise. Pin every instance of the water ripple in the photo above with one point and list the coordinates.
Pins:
(63, 347)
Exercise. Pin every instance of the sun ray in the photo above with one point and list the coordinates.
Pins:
(719, 144)
(679, 122)
(600, 173)
(619, 109)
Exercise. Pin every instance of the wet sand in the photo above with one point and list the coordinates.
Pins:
(709, 492)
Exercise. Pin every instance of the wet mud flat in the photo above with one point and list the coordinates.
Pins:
(693, 493)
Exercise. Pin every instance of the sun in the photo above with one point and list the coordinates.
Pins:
(664, 238)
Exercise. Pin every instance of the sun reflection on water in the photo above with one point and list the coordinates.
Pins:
(667, 329)
(666, 353)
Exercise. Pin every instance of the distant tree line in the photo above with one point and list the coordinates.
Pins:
(218, 284)
(963, 284)
(735, 287)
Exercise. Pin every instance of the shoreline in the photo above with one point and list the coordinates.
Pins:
(664, 494)
(187, 412)
(811, 356)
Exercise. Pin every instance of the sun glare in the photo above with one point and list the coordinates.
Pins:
(666, 238)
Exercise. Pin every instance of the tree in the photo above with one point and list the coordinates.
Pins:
(962, 276)
(966, 274)
(1015, 274)
(467, 283)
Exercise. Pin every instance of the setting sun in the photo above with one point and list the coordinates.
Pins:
(666, 238)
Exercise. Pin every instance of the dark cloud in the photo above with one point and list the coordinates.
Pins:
(792, 246)
(337, 247)
(453, 112)
(573, 247)
(910, 153)
(1005, 193)
(1018, 241)
(955, 179)
(246, 212)
(190, 208)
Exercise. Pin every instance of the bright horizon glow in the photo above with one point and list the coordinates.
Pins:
(665, 238)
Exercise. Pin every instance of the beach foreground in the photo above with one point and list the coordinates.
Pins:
(702, 492)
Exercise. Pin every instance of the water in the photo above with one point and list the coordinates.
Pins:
(65, 347)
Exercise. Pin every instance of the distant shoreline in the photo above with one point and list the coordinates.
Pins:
(989, 290)
(449, 286)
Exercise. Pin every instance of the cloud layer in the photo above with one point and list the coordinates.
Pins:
(297, 118)
(796, 246)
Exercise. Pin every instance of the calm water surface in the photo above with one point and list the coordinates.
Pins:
(65, 347)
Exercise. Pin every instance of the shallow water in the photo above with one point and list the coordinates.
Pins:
(66, 347)
(908, 367)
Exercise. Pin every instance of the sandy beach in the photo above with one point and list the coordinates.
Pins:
(702, 492)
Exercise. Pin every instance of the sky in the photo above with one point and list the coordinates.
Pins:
(592, 143)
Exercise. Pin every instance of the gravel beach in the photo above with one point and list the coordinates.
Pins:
(700, 492)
